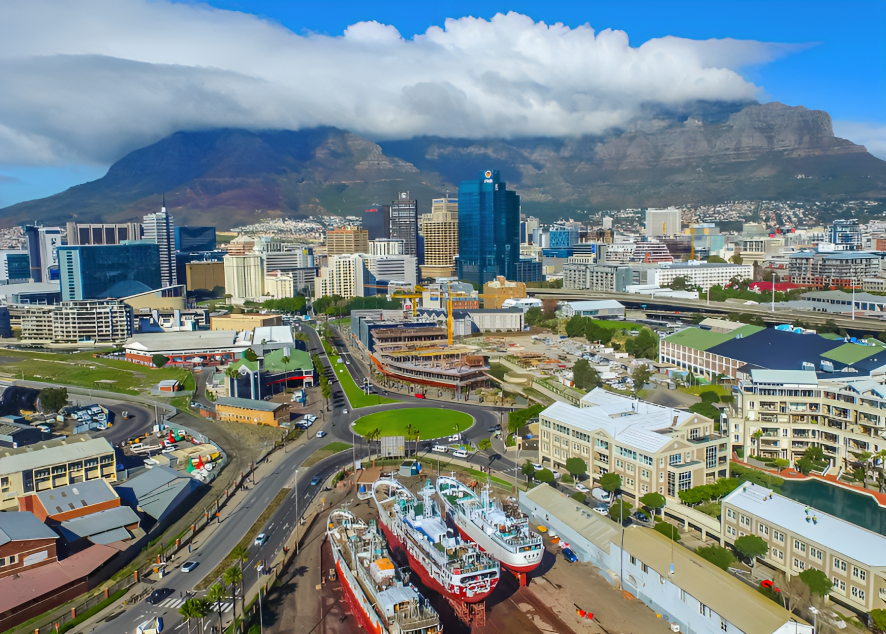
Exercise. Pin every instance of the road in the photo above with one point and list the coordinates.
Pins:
(218, 544)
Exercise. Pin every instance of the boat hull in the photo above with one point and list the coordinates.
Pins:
(356, 598)
(420, 568)
(507, 559)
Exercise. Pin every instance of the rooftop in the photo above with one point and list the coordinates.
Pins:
(701, 339)
(595, 304)
(247, 403)
(103, 527)
(831, 532)
(16, 526)
(273, 334)
(82, 494)
(839, 297)
(184, 341)
(779, 377)
(53, 452)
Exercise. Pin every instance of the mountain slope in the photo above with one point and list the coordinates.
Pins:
(231, 177)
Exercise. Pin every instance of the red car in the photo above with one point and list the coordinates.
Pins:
(419, 396)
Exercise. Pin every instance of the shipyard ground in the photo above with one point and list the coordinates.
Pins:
(311, 604)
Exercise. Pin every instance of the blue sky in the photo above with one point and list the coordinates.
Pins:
(839, 64)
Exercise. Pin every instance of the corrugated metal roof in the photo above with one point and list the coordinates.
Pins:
(101, 522)
(831, 532)
(800, 377)
(599, 530)
(21, 526)
(247, 403)
(34, 457)
(81, 495)
(111, 536)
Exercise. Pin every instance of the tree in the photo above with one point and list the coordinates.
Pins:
(679, 283)
(878, 617)
(641, 376)
(818, 582)
(241, 556)
(545, 475)
(794, 592)
(716, 259)
(780, 463)
(805, 465)
(484, 444)
(325, 390)
(861, 476)
(159, 360)
(534, 316)
(576, 467)
(575, 327)
(188, 611)
(53, 399)
(735, 259)
(644, 345)
(584, 376)
(579, 497)
(528, 470)
(814, 453)
(709, 396)
(620, 510)
(757, 435)
(717, 555)
(668, 530)
(233, 577)
(751, 546)
(250, 355)
(610, 482)
(216, 595)
(653, 501)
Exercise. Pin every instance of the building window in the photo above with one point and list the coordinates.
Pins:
(602, 444)
(815, 553)
(744, 519)
(672, 484)
(730, 514)
(675, 459)
(682, 595)
(839, 584)
(839, 564)
(633, 560)
(685, 481)
(798, 545)
(723, 625)
(860, 574)
(711, 457)
(703, 609)
(799, 565)
(858, 593)
(778, 536)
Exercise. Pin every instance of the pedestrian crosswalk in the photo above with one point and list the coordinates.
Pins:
(175, 604)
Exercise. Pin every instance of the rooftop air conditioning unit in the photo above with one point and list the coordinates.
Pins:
(675, 627)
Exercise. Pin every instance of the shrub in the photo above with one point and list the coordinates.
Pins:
(545, 475)
(717, 555)
(709, 396)
(578, 496)
(668, 530)
(159, 360)
(567, 479)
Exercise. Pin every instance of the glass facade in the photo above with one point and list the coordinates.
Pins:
(403, 223)
(488, 229)
(375, 221)
(108, 271)
(194, 239)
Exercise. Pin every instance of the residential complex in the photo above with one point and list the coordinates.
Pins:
(82, 323)
(581, 273)
(697, 273)
(824, 269)
(800, 537)
(653, 448)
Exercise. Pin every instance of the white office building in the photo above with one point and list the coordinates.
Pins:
(343, 275)
(279, 284)
(698, 273)
(387, 246)
(160, 229)
(663, 222)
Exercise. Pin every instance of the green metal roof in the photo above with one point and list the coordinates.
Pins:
(850, 353)
(699, 339)
(298, 360)
(248, 403)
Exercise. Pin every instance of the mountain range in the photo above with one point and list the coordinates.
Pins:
(712, 153)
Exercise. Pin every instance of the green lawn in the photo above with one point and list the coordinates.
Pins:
(356, 397)
(721, 390)
(82, 370)
(429, 422)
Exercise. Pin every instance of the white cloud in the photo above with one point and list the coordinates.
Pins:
(90, 80)
(870, 135)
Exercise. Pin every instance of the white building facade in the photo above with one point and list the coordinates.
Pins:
(244, 277)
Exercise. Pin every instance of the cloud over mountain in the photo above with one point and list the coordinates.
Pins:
(88, 81)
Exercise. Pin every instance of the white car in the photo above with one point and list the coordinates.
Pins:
(580, 487)
(601, 510)
(344, 411)
(601, 495)
(260, 539)
(537, 466)
(459, 453)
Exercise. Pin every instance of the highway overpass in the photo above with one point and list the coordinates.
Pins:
(665, 306)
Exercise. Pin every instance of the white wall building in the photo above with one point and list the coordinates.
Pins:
(663, 222)
(244, 277)
(698, 273)
(386, 246)
(343, 275)
(524, 303)
(279, 284)
(160, 229)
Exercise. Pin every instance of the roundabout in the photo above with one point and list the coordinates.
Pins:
(427, 422)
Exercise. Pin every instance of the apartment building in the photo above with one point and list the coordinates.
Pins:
(653, 448)
(92, 322)
(496, 291)
(778, 414)
(581, 273)
(823, 269)
(852, 557)
(54, 464)
(440, 231)
(244, 277)
(279, 284)
(344, 275)
(347, 240)
(699, 273)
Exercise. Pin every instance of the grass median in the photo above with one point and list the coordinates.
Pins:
(229, 561)
(427, 422)
(356, 397)
(329, 450)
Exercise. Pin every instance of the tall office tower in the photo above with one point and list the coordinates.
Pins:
(845, 235)
(108, 271)
(663, 222)
(347, 240)
(84, 234)
(194, 239)
(440, 231)
(530, 229)
(376, 221)
(488, 229)
(244, 277)
(160, 229)
(403, 222)
(344, 275)
(42, 256)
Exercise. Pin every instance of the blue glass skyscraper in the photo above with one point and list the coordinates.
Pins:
(108, 271)
(488, 229)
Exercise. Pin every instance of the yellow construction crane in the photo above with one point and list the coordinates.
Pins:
(691, 242)
(413, 296)
(449, 324)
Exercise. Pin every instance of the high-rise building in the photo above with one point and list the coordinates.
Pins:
(343, 275)
(391, 268)
(244, 277)
(42, 245)
(108, 271)
(563, 237)
(376, 220)
(386, 246)
(440, 232)
(83, 234)
(662, 222)
(489, 229)
(160, 229)
(530, 230)
(347, 240)
(279, 284)
(194, 239)
(14, 265)
(403, 222)
(845, 235)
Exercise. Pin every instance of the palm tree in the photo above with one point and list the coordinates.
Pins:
(201, 609)
(757, 435)
(215, 596)
(188, 611)
(241, 556)
(232, 578)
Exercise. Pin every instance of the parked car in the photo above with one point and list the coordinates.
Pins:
(440, 449)
(640, 515)
(601, 495)
(455, 438)
(419, 396)
(459, 453)
(320, 434)
(569, 556)
(537, 466)
(261, 539)
(188, 566)
(494, 428)
(580, 487)
(602, 510)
